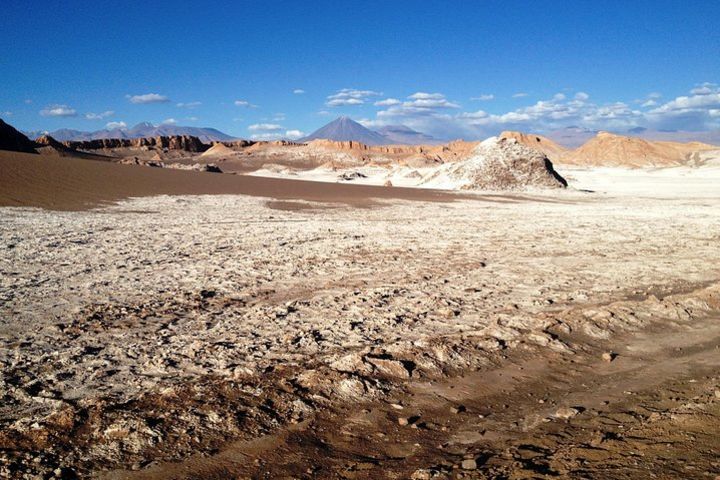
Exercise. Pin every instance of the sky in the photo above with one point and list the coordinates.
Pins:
(271, 69)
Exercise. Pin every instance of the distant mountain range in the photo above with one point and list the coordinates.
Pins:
(345, 129)
(144, 129)
(404, 135)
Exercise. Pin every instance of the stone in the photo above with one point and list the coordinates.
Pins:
(609, 356)
(469, 464)
(566, 412)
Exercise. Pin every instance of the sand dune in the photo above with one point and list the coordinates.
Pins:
(75, 184)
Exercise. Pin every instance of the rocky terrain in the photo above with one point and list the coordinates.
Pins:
(210, 328)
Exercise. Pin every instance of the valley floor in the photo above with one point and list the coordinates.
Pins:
(230, 336)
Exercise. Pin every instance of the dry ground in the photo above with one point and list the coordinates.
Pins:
(246, 337)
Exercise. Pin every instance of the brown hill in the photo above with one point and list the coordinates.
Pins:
(543, 144)
(608, 149)
(218, 149)
(11, 139)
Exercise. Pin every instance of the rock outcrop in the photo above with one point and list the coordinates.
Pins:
(505, 164)
(176, 142)
(47, 145)
(11, 139)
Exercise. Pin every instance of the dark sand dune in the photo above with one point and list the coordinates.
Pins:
(76, 184)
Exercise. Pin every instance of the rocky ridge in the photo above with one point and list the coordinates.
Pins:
(176, 142)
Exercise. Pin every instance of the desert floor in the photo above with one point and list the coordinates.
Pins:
(567, 334)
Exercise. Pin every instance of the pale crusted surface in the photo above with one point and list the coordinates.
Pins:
(162, 292)
(387, 275)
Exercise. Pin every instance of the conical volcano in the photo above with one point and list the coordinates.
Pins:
(345, 129)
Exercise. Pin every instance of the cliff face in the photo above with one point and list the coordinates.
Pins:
(175, 142)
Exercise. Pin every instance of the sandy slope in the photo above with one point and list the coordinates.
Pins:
(69, 184)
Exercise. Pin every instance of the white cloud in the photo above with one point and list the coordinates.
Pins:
(485, 97)
(7, 113)
(419, 104)
(542, 115)
(424, 112)
(265, 127)
(702, 101)
(520, 95)
(388, 102)
(188, 104)
(294, 134)
(273, 131)
(114, 125)
(58, 111)
(298, 91)
(350, 97)
(429, 100)
(705, 89)
(278, 117)
(169, 121)
(244, 104)
(654, 95)
(99, 116)
(147, 98)
(690, 112)
(192, 119)
(27, 101)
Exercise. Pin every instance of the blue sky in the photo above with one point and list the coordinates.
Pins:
(452, 69)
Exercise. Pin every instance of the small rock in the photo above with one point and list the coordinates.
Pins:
(469, 464)
(458, 409)
(609, 356)
(566, 412)
(402, 421)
